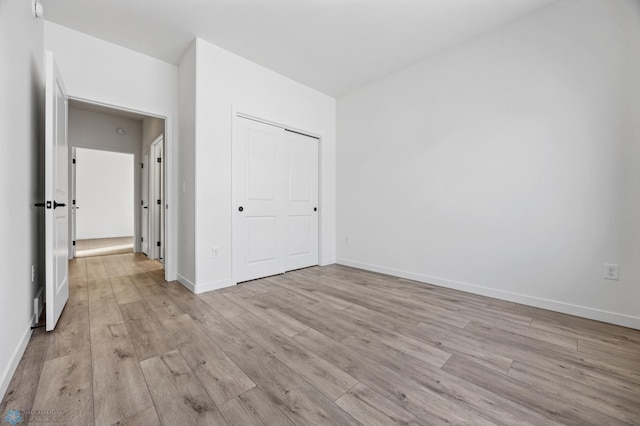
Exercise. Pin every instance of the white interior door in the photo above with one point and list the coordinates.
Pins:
(156, 218)
(56, 194)
(259, 226)
(302, 200)
(73, 207)
(145, 205)
(161, 208)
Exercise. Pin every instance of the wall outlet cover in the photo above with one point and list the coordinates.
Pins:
(611, 271)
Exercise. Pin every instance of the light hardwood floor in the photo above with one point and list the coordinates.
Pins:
(330, 345)
(104, 246)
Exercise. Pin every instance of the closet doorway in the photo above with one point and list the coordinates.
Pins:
(275, 217)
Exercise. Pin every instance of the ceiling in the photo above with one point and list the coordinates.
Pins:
(333, 46)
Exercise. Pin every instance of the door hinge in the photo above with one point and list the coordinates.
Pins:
(73, 202)
(159, 159)
(142, 165)
(159, 202)
(74, 243)
(142, 202)
(142, 239)
(158, 244)
(73, 161)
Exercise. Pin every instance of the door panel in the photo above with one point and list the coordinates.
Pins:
(300, 238)
(262, 234)
(259, 248)
(302, 200)
(56, 194)
(261, 152)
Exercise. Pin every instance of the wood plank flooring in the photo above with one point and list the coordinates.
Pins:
(104, 246)
(319, 346)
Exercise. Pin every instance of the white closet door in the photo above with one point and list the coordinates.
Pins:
(302, 201)
(259, 243)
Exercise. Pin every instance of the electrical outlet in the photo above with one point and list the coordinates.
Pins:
(347, 239)
(611, 271)
(33, 273)
(215, 252)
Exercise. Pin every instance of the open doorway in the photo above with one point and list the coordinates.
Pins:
(104, 208)
(113, 181)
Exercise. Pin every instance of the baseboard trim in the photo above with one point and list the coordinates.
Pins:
(538, 302)
(213, 285)
(8, 373)
(329, 261)
(187, 283)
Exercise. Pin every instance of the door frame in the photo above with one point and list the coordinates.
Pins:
(72, 204)
(170, 170)
(144, 203)
(135, 185)
(157, 173)
(235, 133)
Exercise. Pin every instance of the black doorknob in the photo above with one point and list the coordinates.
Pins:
(240, 208)
(56, 204)
(315, 209)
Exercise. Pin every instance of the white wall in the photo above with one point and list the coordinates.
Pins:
(97, 131)
(103, 72)
(226, 82)
(104, 193)
(152, 128)
(187, 168)
(508, 167)
(21, 163)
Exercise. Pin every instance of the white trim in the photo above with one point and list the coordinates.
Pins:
(112, 106)
(236, 113)
(538, 302)
(329, 261)
(8, 373)
(266, 121)
(187, 283)
(170, 169)
(213, 285)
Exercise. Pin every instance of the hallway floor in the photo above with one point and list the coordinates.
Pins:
(104, 246)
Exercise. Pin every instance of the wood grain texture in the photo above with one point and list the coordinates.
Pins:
(178, 396)
(148, 337)
(147, 417)
(254, 407)
(119, 388)
(222, 379)
(300, 401)
(24, 383)
(65, 389)
(371, 408)
(323, 345)
(323, 375)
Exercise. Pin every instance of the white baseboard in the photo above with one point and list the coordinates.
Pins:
(204, 287)
(7, 374)
(538, 302)
(185, 282)
(214, 285)
(329, 261)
